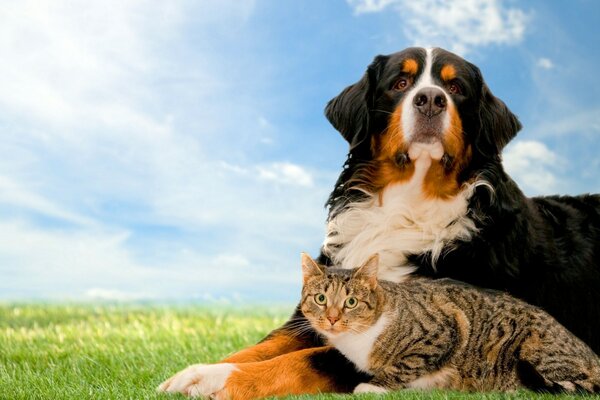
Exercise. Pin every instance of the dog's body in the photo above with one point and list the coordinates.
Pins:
(424, 187)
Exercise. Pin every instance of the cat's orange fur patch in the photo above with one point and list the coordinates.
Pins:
(280, 376)
(276, 345)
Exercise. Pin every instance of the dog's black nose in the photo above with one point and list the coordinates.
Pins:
(430, 101)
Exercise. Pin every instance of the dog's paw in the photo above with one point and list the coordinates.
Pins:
(199, 380)
(369, 388)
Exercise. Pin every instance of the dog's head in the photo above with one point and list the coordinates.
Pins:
(422, 100)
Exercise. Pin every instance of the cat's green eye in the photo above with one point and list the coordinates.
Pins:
(351, 302)
(320, 299)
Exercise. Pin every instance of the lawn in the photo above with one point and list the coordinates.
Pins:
(124, 352)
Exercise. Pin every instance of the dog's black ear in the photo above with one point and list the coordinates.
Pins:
(498, 124)
(349, 111)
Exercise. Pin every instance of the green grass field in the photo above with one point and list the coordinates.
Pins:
(124, 352)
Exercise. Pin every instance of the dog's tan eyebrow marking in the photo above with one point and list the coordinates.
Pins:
(410, 66)
(448, 72)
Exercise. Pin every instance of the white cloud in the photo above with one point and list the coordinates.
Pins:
(263, 122)
(66, 58)
(369, 6)
(12, 193)
(229, 260)
(285, 173)
(98, 265)
(521, 154)
(50, 261)
(577, 122)
(545, 63)
(460, 25)
(532, 164)
(99, 120)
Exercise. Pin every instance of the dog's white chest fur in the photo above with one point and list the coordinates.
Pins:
(358, 346)
(405, 222)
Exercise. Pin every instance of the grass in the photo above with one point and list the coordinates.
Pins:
(124, 352)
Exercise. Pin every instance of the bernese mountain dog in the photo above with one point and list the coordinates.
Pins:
(424, 186)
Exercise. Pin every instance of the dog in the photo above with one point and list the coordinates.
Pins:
(424, 186)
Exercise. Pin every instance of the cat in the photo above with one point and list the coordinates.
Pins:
(442, 333)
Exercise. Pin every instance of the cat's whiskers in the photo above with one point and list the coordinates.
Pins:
(301, 332)
(298, 328)
(298, 324)
(359, 327)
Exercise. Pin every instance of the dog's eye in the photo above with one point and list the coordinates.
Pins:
(454, 88)
(402, 83)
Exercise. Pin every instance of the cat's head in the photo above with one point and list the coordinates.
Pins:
(336, 301)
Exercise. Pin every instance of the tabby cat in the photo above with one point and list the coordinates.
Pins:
(442, 334)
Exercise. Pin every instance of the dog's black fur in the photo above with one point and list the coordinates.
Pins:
(545, 250)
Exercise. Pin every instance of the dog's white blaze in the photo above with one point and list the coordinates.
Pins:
(404, 223)
(358, 346)
(408, 110)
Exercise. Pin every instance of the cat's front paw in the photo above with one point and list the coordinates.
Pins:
(200, 380)
(369, 388)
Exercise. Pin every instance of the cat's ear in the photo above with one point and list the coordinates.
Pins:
(310, 267)
(368, 271)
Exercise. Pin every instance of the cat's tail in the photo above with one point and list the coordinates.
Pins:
(570, 367)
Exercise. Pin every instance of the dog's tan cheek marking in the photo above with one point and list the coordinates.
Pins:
(448, 72)
(453, 138)
(439, 181)
(392, 140)
(385, 148)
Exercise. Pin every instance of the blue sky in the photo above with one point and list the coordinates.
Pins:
(178, 150)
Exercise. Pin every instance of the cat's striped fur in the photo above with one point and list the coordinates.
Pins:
(443, 334)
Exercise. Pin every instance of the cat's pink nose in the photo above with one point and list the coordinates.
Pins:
(333, 320)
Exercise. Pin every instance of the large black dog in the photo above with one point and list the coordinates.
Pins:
(545, 250)
(424, 187)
